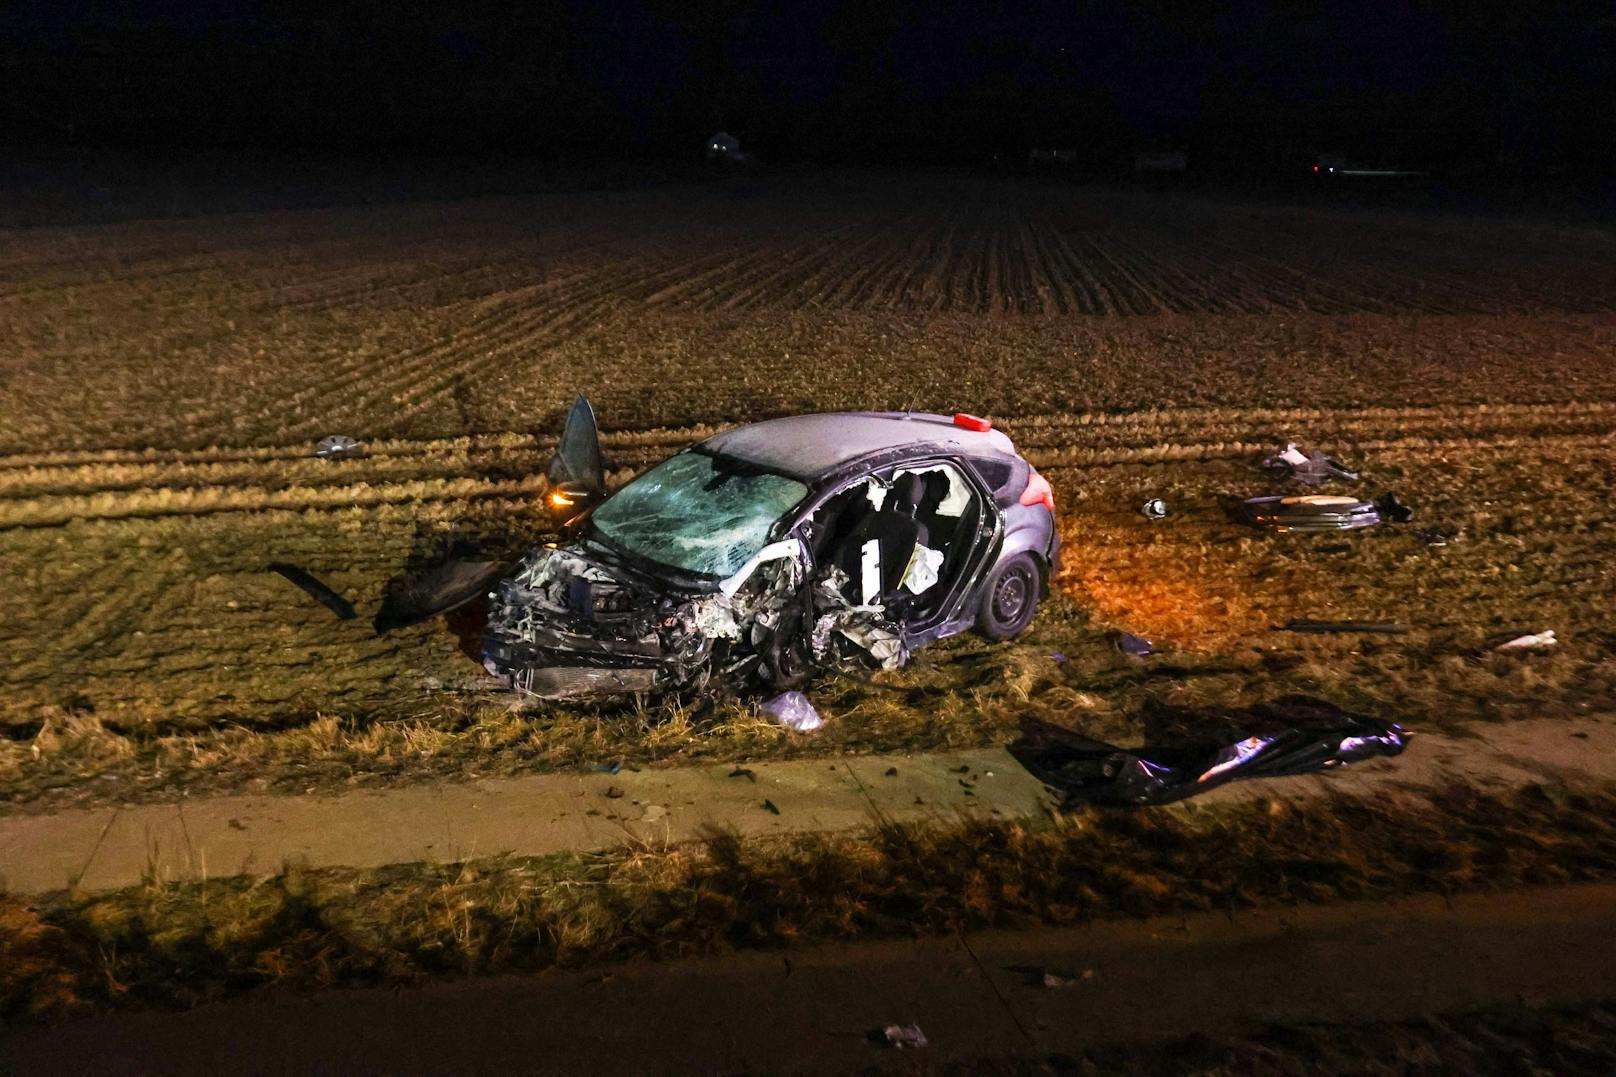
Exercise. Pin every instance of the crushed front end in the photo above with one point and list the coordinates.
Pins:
(570, 624)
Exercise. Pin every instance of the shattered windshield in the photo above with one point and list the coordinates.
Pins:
(697, 513)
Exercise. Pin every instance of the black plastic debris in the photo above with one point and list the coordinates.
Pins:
(1392, 509)
(440, 590)
(1384, 628)
(338, 447)
(312, 587)
(1304, 737)
(1310, 512)
(1308, 468)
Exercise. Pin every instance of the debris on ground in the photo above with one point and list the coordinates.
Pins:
(1436, 536)
(768, 806)
(1385, 628)
(1154, 509)
(312, 587)
(437, 591)
(794, 711)
(1134, 646)
(1392, 509)
(1310, 512)
(1308, 468)
(904, 1037)
(606, 768)
(338, 447)
(1055, 979)
(744, 772)
(1294, 736)
(1532, 641)
(613, 793)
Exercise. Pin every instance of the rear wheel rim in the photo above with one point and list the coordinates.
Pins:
(1010, 596)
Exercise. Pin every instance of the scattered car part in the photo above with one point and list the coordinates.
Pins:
(1532, 641)
(338, 447)
(904, 1037)
(776, 548)
(1392, 509)
(1154, 509)
(1310, 512)
(1308, 468)
(1383, 628)
(1082, 770)
(312, 587)
(1436, 536)
(1135, 646)
(440, 590)
(794, 711)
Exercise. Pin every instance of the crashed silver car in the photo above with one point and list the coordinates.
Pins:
(773, 549)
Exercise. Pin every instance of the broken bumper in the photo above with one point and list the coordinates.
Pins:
(555, 673)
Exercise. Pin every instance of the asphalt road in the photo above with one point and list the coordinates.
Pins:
(821, 1011)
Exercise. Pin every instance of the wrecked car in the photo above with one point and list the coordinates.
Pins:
(773, 549)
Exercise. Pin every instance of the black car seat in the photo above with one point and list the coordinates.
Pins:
(896, 533)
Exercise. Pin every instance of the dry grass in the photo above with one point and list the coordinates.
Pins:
(177, 944)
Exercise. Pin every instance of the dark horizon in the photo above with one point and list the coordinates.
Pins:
(1251, 85)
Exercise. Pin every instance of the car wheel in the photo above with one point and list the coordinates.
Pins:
(786, 661)
(1010, 597)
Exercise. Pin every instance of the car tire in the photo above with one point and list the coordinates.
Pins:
(1010, 597)
(786, 657)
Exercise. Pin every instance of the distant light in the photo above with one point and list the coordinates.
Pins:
(1315, 168)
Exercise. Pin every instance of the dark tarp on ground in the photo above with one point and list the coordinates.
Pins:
(1291, 736)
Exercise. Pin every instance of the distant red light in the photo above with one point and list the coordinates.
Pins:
(972, 422)
(1315, 168)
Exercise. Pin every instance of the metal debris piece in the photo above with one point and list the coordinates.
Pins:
(904, 1037)
(314, 589)
(1384, 628)
(1292, 736)
(338, 447)
(1310, 512)
(1533, 641)
(1308, 468)
(794, 711)
(1134, 646)
(1154, 509)
(1436, 536)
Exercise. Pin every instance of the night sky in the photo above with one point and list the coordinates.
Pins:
(876, 80)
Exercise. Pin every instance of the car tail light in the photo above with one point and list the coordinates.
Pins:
(1038, 492)
(972, 422)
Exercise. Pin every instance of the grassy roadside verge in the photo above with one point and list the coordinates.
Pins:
(177, 945)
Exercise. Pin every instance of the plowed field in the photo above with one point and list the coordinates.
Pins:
(162, 384)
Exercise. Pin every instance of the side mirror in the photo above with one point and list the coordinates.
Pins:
(567, 500)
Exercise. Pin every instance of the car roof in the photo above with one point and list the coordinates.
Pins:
(811, 446)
